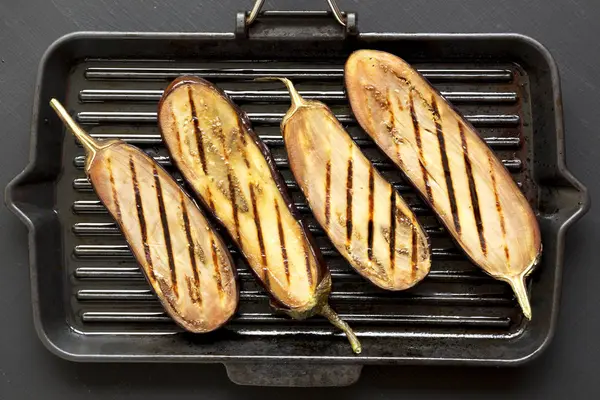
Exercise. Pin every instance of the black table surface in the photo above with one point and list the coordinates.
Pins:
(569, 367)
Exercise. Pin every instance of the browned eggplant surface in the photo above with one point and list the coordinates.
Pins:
(363, 215)
(231, 170)
(452, 167)
(184, 260)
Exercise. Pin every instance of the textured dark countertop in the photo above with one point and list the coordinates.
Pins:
(568, 369)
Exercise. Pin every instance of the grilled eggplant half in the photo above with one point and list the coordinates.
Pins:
(183, 258)
(232, 171)
(453, 168)
(363, 215)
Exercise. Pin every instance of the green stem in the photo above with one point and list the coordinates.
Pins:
(327, 312)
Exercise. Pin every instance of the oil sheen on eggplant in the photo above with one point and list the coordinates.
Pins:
(183, 258)
(453, 168)
(232, 171)
(363, 215)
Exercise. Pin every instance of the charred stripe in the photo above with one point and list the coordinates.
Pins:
(210, 201)
(190, 239)
(437, 119)
(499, 210)
(392, 128)
(113, 188)
(259, 234)
(217, 131)
(177, 135)
(472, 190)
(142, 220)
(244, 143)
(371, 211)
(417, 131)
(197, 131)
(281, 232)
(414, 253)
(307, 254)
(164, 221)
(393, 230)
(233, 200)
(327, 193)
(193, 291)
(215, 258)
(349, 195)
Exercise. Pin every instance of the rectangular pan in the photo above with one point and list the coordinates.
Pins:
(90, 300)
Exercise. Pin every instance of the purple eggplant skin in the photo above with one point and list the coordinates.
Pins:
(183, 258)
(233, 173)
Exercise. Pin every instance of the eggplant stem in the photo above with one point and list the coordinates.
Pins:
(297, 100)
(327, 312)
(517, 284)
(90, 144)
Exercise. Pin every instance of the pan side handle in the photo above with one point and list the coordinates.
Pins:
(293, 374)
(28, 195)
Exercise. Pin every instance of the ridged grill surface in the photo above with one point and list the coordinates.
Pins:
(119, 99)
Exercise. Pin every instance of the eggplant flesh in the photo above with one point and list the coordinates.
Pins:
(446, 160)
(232, 172)
(363, 215)
(185, 261)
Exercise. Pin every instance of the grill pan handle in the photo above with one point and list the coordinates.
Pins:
(292, 374)
(345, 21)
(337, 13)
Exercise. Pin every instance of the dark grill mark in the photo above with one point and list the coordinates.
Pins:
(307, 254)
(175, 129)
(243, 140)
(445, 163)
(393, 231)
(472, 190)
(417, 131)
(190, 240)
(113, 189)
(349, 184)
(282, 242)
(142, 221)
(327, 193)
(500, 211)
(197, 131)
(217, 131)
(371, 210)
(215, 258)
(233, 201)
(259, 234)
(414, 253)
(392, 129)
(193, 291)
(164, 221)
(210, 201)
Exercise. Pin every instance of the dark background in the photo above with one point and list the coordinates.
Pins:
(568, 369)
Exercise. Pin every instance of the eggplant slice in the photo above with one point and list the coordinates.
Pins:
(185, 261)
(233, 173)
(455, 171)
(363, 215)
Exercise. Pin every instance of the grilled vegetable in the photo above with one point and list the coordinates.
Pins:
(233, 173)
(363, 215)
(184, 260)
(444, 157)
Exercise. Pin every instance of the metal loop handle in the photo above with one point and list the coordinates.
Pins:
(337, 13)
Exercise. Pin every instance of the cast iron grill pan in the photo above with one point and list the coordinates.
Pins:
(92, 303)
